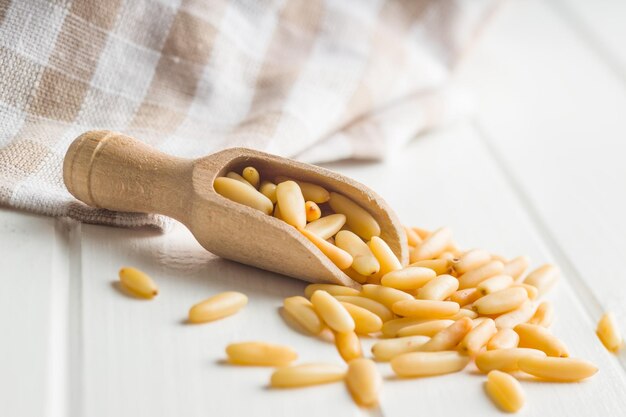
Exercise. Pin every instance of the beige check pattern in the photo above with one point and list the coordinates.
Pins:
(317, 80)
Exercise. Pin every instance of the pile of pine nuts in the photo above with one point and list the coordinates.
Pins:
(447, 308)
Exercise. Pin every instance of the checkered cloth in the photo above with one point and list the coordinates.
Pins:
(311, 79)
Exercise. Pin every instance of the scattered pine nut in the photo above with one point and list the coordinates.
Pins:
(415, 364)
(435, 244)
(472, 260)
(543, 278)
(537, 337)
(544, 315)
(307, 374)
(501, 301)
(364, 382)
(438, 288)
(260, 354)
(374, 306)
(251, 175)
(478, 337)
(557, 369)
(243, 194)
(332, 289)
(495, 283)
(516, 267)
(505, 360)
(505, 391)
(385, 256)
(449, 337)
(302, 311)
(476, 276)
(440, 266)
(465, 297)
(520, 315)
(392, 327)
(412, 237)
(348, 345)
(609, 333)
(332, 312)
(384, 295)
(533, 292)
(427, 328)
(217, 307)
(138, 283)
(411, 277)
(464, 312)
(365, 321)
(385, 350)
(357, 218)
(425, 309)
(503, 339)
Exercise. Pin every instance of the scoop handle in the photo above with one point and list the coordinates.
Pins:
(112, 171)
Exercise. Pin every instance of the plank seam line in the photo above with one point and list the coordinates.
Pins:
(585, 296)
(76, 333)
(583, 31)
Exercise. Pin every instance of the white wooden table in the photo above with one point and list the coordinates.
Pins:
(538, 169)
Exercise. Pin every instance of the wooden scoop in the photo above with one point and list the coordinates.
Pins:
(111, 171)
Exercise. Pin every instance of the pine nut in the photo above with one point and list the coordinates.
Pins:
(327, 226)
(501, 301)
(558, 369)
(307, 374)
(138, 282)
(310, 191)
(465, 297)
(449, 337)
(302, 311)
(242, 194)
(520, 315)
(384, 295)
(476, 276)
(543, 278)
(433, 245)
(268, 189)
(312, 210)
(448, 256)
(415, 364)
(331, 289)
(505, 360)
(609, 333)
(544, 315)
(277, 212)
(505, 391)
(423, 233)
(440, 266)
(412, 237)
(428, 328)
(478, 337)
(495, 283)
(426, 309)
(339, 257)
(217, 307)
(357, 218)
(332, 312)
(374, 306)
(385, 350)
(251, 175)
(348, 345)
(532, 292)
(234, 176)
(472, 260)
(361, 279)
(503, 339)
(365, 321)
(260, 354)
(385, 256)
(291, 202)
(364, 382)
(392, 327)
(464, 312)
(364, 262)
(516, 267)
(411, 277)
(537, 337)
(439, 288)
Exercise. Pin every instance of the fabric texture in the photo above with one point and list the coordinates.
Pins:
(311, 79)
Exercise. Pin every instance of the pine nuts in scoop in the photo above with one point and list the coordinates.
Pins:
(327, 226)
(243, 194)
(312, 210)
(217, 307)
(291, 203)
(385, 256)
(357, 218)
(251, 175)
(609, 333)
(505, 391)
(138, 283)
(364, 262)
